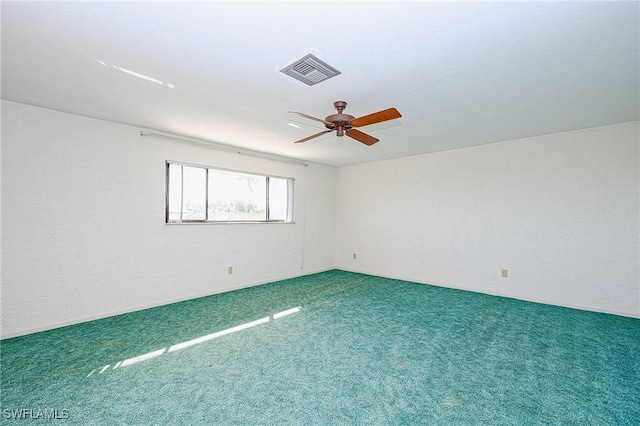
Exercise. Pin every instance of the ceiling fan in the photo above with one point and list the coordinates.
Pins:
(345, 123)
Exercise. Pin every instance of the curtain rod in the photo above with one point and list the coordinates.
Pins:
(228, 148)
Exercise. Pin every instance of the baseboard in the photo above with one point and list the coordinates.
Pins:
(542, 301)
(239, 287)
(75, 321)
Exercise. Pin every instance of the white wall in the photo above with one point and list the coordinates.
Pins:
(559, 212)
(83, 232)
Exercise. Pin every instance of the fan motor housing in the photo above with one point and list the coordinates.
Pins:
(337, 119)
(340, 122)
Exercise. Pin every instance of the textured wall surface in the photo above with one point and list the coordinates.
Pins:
(558, 212)
(83, 232)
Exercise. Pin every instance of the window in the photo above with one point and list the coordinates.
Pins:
(202, 194)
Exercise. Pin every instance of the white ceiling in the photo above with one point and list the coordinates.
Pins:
(461, 73)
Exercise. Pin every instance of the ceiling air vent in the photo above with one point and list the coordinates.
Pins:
(310, 70)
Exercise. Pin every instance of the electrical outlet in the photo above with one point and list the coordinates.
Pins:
(230, 270)
(504, 273)
(354, 256)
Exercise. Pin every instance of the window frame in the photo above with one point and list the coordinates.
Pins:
(290, 196)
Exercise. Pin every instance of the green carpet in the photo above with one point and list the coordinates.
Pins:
(335, 348)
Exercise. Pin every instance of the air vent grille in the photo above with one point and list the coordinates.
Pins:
(310, 70)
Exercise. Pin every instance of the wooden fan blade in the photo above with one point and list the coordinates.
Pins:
(311, 118)
(361, 137)
(376, 117)
(314, 136)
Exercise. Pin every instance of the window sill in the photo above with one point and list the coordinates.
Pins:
(231, 222)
